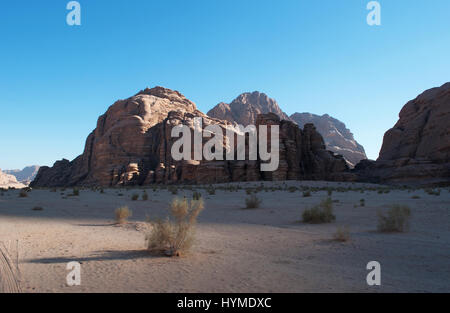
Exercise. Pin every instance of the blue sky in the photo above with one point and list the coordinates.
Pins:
(311, 56)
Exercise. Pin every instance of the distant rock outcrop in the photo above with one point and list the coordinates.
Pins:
(337, 136)
(9, 181)
(417, 148)
(132, 146)
(26, 175)
(245, 109)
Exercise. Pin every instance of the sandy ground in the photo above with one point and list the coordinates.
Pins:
(237, 250)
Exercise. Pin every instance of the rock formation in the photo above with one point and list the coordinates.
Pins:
(337, 136)
(245, 109)
(417, 148)
(9, 181)
(132, 146)
(25, 176)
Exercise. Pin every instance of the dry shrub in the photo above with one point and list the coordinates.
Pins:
(122, 214)
(196, 195)
(9, 272)
(23, 194)
(306, 194)
(342, 234)
(134, 197)
(175, 234)
(253, 202)
(144, 196)
(38, 208)
(396, 219)
(321, 213)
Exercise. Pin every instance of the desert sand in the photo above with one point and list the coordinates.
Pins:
(260, 250)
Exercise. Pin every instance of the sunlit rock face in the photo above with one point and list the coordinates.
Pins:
(417, 148)
(132, 145)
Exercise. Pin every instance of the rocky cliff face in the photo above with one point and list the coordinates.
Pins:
(417, 148)
(245, 109)
(337, 136)
(25, 175)
(132, 146)
(9, 181)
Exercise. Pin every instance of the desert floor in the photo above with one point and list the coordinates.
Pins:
(237, 250)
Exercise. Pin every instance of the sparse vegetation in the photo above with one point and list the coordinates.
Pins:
(292, 189)
(342, 234)
(173, 190)
(144, 196)
(196, 195)
(122, 214)
(362, 202)
(175, 234)
(211, 190)
(23, 194)
(395, 220)
(134, 197)
(306, 194)
(321, 213)
(37, 208)
(253, 202)
(415, 197)
(433, 192)
(75, 192)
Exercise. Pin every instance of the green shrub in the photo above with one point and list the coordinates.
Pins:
(134, 197)
(396, 219)
(321, 213)
(75, 192)
(306, 194)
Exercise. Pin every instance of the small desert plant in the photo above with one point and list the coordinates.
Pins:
(249, 191)
(38, 208)
(196, 195)
(306, 194)
(173, 190)
(75, 192)
(253, 202)
(101, 190)
(362, 202)
(342, 234)
(432, 192)
(144, 196)
(122, 214)
(176, 233)
(23, 194)
(134, 197)
(321, 213)
(292, 189)
(396, 219)
(211, 190)
(415, 197)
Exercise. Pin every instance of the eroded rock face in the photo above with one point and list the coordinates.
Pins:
(26, 175)
(417, 148)
(9, 181)
(245, 109)
(132, 146)
(338, 138)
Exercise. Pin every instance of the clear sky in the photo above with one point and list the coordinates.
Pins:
(311, 56)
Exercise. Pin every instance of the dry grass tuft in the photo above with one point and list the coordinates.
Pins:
(342, 234)
(23, 194)
(396, 219)
(122, 214)
(253, 202)
(321, 213)
(175, 234)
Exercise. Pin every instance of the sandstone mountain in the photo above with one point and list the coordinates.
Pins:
(337, 136)
(245, 109)
(25, 175)
(132, 146)
(417, 148)
(7, 181)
